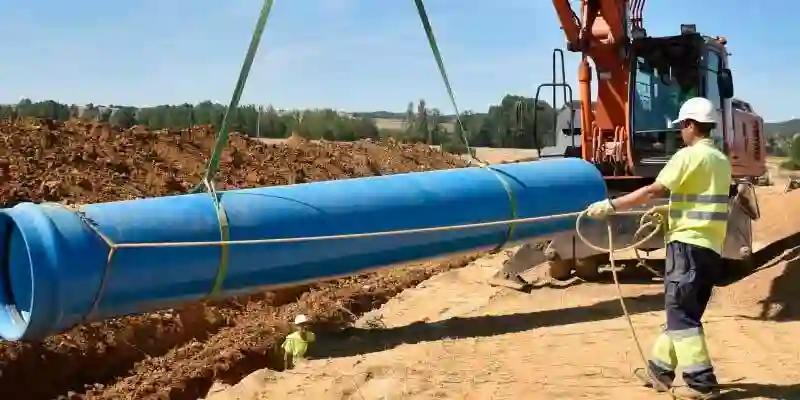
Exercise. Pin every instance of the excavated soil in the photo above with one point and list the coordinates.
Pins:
(177, 354)
(78, 162)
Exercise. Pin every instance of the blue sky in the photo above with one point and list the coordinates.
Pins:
(348, 54)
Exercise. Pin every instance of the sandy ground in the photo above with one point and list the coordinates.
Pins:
(454, 337)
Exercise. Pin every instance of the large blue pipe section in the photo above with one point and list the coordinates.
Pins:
(54, 264)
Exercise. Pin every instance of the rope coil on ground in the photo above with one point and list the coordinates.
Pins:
(89, 223)
(656, 225)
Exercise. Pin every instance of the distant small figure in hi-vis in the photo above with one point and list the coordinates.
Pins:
(296, 344)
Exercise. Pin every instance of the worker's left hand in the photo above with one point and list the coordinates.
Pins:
(662, 209)
(600, 209)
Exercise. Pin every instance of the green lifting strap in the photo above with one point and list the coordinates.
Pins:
(426, 24)
(207, 184)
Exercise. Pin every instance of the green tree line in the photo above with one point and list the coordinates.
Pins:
(793, 163)
(507, 124)
(510, 123)
(779, 145)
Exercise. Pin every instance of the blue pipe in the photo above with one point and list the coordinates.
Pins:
(53, 263)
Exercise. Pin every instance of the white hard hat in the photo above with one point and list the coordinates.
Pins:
(698, 109)
(300, 319)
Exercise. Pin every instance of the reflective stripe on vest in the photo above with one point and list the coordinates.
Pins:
(717, 200)
(700, 198)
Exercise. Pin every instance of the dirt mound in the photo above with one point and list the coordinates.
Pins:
(80, 162)
(178, 352)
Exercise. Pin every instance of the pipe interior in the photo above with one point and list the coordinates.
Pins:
(16, 280)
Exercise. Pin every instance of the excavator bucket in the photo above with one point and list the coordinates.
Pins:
(526, 257)
(566, 255)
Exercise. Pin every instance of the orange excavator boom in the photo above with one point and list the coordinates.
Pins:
(599, 34)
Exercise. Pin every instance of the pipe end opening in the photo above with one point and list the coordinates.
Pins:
(16, 280)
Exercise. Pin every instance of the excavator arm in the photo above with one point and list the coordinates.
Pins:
(599, 31)
(599, 21)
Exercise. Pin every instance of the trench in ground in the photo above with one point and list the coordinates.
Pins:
(109, 359)
(102, 352)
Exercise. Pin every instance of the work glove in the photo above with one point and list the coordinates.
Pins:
(656, 216)
(600, 209)
(662, 209)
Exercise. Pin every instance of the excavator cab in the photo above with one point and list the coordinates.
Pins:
(665, 72)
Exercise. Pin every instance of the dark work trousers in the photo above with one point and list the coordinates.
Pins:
(691, 272)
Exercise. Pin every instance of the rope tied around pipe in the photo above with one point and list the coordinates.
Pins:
(650, 220)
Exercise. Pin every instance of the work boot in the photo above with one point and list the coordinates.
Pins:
(649, 380)
(688, 393)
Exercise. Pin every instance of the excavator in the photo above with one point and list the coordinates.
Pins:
(625, 130)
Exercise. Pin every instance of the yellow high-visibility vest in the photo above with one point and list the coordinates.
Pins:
(296, 344)
(699, 180)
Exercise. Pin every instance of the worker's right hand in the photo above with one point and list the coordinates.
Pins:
(600, 209)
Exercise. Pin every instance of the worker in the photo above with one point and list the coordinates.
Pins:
(698, 179)
(296, 343)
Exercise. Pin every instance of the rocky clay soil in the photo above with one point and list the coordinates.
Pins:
(177, 354)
